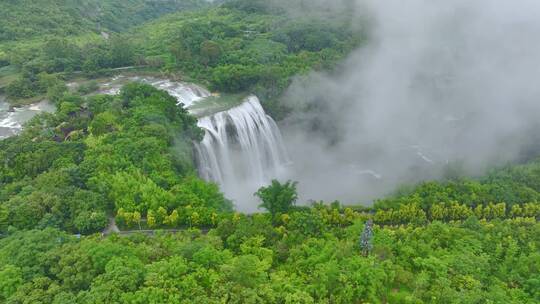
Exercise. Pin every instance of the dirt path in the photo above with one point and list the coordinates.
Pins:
(111, 228)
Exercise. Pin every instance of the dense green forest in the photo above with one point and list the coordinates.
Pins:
(24, 19)
(305, 255)
(62, 36)
(241, 46)
(130, 153)
(235, 47)
(128, 159)
(250, 260)
(456, 241)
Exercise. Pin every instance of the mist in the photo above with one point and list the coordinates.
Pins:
(438, 85)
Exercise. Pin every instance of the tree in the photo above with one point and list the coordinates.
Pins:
(278, 198)
(121, 52)
(235, 77)
(161, 215)
(150, 219)
(210, 52)
(172, 220)
(61, 55)
(10, 280)
(89, 222)
(195, 219)
(122, 217)
(103, 123)
(516, 211)
(56, 92)
(137, 218)
(21, 88)
(246, 271)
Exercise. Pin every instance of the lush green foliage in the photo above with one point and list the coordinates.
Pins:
(62, 55)
(128, 157)
(422, 251)
(252, 260)
(278, 198)
(101, 154)
(247, 46)
(461, 241)
(54, 36)
(242, 46)
(511, 185)
(23, 19)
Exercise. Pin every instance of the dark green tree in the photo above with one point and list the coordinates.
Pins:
(210, 52)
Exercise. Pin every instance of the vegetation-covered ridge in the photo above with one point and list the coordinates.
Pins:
(62, 36)
(96, 155)
(249, 46)
(26, 19)
(238, 47)
(304, 257)
(129, 156)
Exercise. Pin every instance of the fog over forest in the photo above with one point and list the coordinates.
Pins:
(439, 86)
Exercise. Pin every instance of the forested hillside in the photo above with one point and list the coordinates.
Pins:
(248, 45)
(95, 157)
(63, 36)
(100, 163)
(238, 46)
(456, 241)
(249, 260)
(313, 255)
(24, 19)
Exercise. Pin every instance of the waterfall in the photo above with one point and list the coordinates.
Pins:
(242, 150)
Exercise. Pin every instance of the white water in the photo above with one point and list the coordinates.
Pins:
(186, 93)
(242, 150)
(12, 121)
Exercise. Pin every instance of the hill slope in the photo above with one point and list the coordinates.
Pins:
(23, 19)
(253, 46)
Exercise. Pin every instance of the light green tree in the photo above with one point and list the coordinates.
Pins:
(278, 197)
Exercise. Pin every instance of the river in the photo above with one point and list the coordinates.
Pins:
(13, 119)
